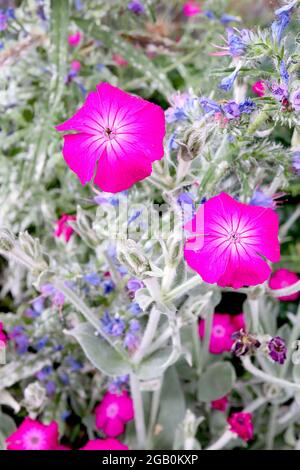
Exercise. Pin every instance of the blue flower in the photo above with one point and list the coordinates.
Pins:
(225, 19)
(108, 286)
(209, 105)
(259, 198)
(78, 5)
(112, 326)
(134, 326)
(65, 415)
(134, 308)
(131, 341)
(279, 25)
(93, 279)
(134, 285)
(209, 14)
(44, 373)
(236, 45)
(247, 106)
(20, 339)
(74, 365)
(232, 110)
(284, 73)
(50, 388)
(118, 384)
(136, 7)
(286, 8)
(279, 91)
(227, 82)
(41, 343)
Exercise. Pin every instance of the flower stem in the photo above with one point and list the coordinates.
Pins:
(183, 288)
(149, 334)
(266, 377)
(139, 417)
(153, 413)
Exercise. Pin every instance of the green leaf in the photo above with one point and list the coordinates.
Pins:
(59, 45)
(217, 381)
(172, 410)
(155, 365)
(157, 79)
(17, 371)
(101, 354)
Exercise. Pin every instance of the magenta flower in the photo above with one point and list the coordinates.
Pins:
(241, 424)
(223, 328)
(63, 228)
(220, 404)
(118, 137)
(113, 413)
(284, 278)
(75, 65)
(259, 88)
(33, 435)
(191, 8)
(119, 60)
(3, 337)
(74, 39)
(231, 241)
(104, 444)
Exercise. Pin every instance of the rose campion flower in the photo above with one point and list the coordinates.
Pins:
(241, 424)
(191, 9)
(119, 60)
(74, 39)
(220, 404)
(3, 337)
(223, 327)
(284, 278)
(230, 242)
(104, 444)
(118, 138)
(75, 65)
(259, 88)
(63, 228)
(33, 435)
(113, 413)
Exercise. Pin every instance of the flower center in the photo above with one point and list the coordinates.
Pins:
(109, 133)
(218, 331)
(234, 237)
(112, 410)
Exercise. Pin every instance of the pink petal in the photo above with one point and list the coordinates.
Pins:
(81, 153)
(121, 167)
(114, 427)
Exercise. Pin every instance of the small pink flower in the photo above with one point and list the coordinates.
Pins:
(118, 138)
(113, 413)
(191, 8)
(220, 404)
(222, 330)
(231, 241)
(33, 435)
(75, 65)
(259, 88)
(63, 228)
(119, 60)
(74, 39)
(3, 337)
(104, 444)
(241, 424)
(284, 278)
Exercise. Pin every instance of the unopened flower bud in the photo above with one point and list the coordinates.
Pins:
(131, 255)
